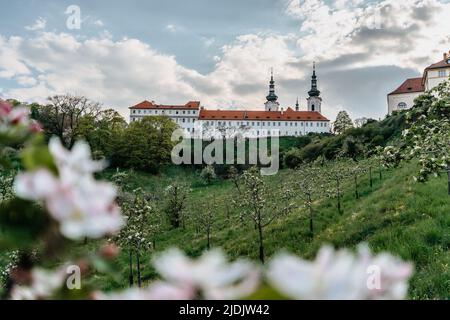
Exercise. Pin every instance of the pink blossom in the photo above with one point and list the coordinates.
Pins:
(35, 127)
(5, 109)
(43, 285)
(19, 116)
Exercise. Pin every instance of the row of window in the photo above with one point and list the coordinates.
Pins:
(258, 133)
(252, 123)
(268, 123)
(263, 133)
(442, 73)
(184, 120)
(177, 120)
(163, 112)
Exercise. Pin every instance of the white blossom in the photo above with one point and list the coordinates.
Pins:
(336, 275)
(157, 291)
(211, 275)
(82, 206)
(77, 161)
(36, 186)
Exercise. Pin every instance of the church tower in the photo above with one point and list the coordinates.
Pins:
(314, 100)
(272, 103)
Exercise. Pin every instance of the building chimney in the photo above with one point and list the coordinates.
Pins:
(446, 56)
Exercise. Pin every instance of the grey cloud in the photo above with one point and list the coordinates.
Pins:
(424, 13)
(246, 88)
(360, 91)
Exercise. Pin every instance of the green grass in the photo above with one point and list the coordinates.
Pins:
(397, 215)
(408, 219)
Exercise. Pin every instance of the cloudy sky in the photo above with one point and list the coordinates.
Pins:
(219, 52)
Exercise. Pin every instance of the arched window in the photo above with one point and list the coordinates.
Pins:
(402, 105)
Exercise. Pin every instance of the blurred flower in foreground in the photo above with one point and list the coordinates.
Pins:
(83, 206)
(76, 162)
(210, 277)
(157, 291)
(16, 117)
(43, 285)
(336, 275)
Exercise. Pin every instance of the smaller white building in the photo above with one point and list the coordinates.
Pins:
(403, 97)
(185, 116)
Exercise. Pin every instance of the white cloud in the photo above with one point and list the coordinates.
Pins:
(118, 74)
(39, 24)
(10, 63)
(401, 33)
(208, 42)
(172, 28)
(122, 73)
(99, 23)
(26, 81)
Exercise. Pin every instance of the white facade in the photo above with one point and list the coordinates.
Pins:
(402, 101)
(184, 116)
(192, 121)
(272, 106)
(435, 77)
(281, 128)
(315, 104)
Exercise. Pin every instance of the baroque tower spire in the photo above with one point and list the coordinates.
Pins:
(272, 96)
(272, 103)
(314, 99)
(314, 92)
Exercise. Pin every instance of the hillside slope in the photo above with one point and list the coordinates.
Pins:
(397, 215)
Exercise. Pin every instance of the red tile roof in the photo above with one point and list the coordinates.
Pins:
(439, 65)
(409, 86)
(151, 105)
(288, 115)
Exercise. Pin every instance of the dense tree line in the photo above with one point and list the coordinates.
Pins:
(143, 145)
(354, 143)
